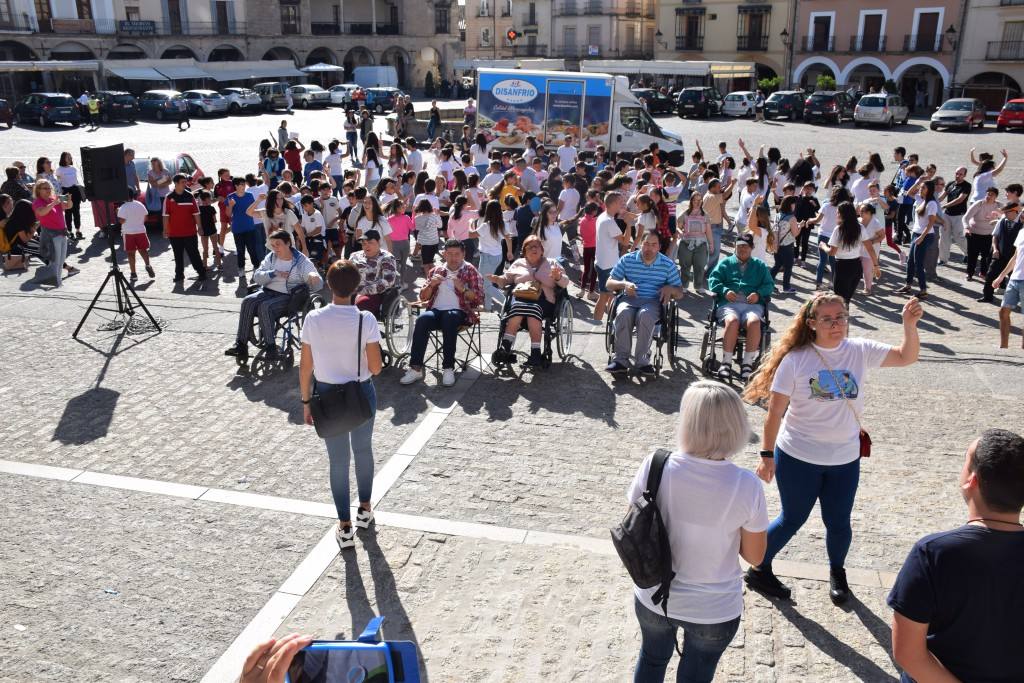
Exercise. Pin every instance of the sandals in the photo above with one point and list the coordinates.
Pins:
(745, 371)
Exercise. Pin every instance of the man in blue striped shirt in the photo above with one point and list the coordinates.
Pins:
(649, 279)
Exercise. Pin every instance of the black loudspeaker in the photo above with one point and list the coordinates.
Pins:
(103, 173)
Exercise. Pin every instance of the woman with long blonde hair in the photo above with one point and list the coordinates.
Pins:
(813, 437)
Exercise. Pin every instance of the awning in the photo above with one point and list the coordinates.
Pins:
(529, 64)
(322, 68)
(50, 65)
(732, 70)
(652, 68)
(245, 71)
(135, 73)
(179, 72)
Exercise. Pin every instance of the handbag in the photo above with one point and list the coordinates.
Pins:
(527, 291)
(344, 407)
(865, 438)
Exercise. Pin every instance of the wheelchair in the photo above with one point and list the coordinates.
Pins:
(557, 332)
(666, 333)
(714, 336)
(468, 348)
(288, 326)
(396, 324)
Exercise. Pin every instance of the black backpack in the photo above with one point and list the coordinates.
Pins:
(642, 541)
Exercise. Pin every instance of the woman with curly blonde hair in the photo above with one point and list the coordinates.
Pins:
(813, 438)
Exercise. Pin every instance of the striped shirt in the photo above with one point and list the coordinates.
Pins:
(649, 279)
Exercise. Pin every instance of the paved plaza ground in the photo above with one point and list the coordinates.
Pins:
(163, 509)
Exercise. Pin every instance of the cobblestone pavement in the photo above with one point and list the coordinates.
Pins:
(551, 453)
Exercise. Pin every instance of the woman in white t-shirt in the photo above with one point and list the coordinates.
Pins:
(873, 233)
(492, 231)
(813, 381)
(845, 246)
(67, 176)
(827, 220)
(480, 154)
(548, 228)
(926, 214)
(714, 513)
(341, 344)
(984, 177)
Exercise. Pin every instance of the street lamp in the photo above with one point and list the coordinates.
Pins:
(951, 36)
(658, 37)
(785, 37)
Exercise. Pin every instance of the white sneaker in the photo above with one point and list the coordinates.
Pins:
(411, 376)
(448, 377)
(363, 518)
(346, 537)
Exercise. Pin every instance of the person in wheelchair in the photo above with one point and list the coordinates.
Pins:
(378, 272)
(742, 285)
(450, 298)
(283, 269)
(533, 298)
(648, 279)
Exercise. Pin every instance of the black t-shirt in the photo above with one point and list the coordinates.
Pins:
(806, 207)
(966, 585)
(955, 190)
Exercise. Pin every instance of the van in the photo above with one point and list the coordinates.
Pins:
(273, 93)
(375, 76)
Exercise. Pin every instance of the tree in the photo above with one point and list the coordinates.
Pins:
(769, 85)
(825, 82)
(428, 85)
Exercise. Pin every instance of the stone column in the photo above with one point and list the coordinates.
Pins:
(341, 16)
(373, 16)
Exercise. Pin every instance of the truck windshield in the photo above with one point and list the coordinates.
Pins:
(635, 118)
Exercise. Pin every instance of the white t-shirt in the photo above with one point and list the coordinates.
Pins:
(859, 189)
(746, 203)
(608, 234)
(847, 252)
(979, 185)
(491, 180)
(921, 220)
(479, 154)
(867, 233)
(819, 426)
(330, 209)
(312, 224)
(134, 215)
(332, 164)
(566, 158)
(1018, 267)
(415, 160)
(552, 241)
(332, 332)
(66, 175)
(446, 168)
(447, 299)
(489, 244)
(280, 281)
(283, 220)
(383, 226)
(430, 197)
(263, 189)
(829, 220)
(371, 169)
(704, 504)
(570, 200)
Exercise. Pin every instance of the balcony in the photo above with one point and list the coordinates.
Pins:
(18, 24)
(123, 27)
(1010, 3)
(530, 51)
(568, 9)
(690, 43)
(924, 43)
(752, 43)
(366, 29)
(325, 28)
(1005, 51)
(528, 20)
(817, 43)
(583, 52)
(867, 43)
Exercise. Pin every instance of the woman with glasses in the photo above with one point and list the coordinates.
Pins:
(813, 382)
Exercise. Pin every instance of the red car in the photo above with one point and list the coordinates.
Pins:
(180, 163)
(1011, 115)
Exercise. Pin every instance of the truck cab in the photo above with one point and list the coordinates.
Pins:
(633, 128)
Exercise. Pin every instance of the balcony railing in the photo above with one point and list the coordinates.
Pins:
(752, 43)
(913, 42)
(867, 43)
(366, 29)
(583, 52)
(530, 51)
(1005, 3)
(325, 28)
(629, 8)
(690, 43)
(124, 27)
(1005, 51)
(817, 43)
(20, 24)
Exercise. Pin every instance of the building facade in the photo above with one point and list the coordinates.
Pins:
(991, 60)
(728, 31)
(865, 43)
(414, 36)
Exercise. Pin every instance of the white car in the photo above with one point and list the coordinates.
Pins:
(242, 100)
(885, 110)
(205, 102)
(739, 103)
(342, 94)
(307, 96)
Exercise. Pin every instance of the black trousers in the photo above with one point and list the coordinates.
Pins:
(978, 246)
(848, 273)
(904, 215)
(803, 241)
(994, 268)
(190, 246)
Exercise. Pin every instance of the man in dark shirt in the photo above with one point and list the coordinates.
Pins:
(1003, 237)
(807, 207)
(958, 600)
(958, 193)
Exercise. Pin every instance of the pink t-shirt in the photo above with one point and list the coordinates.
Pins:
(53, 220)
(588, 231)
(458, 228)
(401, 226)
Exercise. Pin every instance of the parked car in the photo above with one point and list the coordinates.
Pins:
(6, 114)
(242, 100)
(47, 108)
(657, 102)
(182, 162)
(274, 94)
(699, 101)
(307, 96)
(740, 103)
(828, 105)
(342, 94)
(1010, 116)
(117, 106)
(886, 110)
(380, 100)
(162, 104)
(205, 102)
(787, 104)
(959, 112)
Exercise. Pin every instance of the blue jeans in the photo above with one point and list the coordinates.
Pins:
(489, 266)
(703, 645)
(784, 261)
(253, 242)
(800, 485)
(716, 248)
(353, 145)
(431, 129)
(823, 259)
(358, 442)
(916, 262)
(449, 323)
(339, 180)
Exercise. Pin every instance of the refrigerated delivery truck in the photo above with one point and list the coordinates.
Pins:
(594, 108)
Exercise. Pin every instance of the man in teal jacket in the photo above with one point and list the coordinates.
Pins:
(742, 285)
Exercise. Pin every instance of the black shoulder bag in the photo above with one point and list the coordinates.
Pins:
(345, 406)
(642, 541)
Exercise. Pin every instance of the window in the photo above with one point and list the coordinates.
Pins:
(174, 15)
(821, 32)
(485, 37)
(593, 35)
(84, 9)
(290, 17)
(927, 36)
(1013, 31)
(442, 19)
(636, 119)
(690, 29)
(871, 34)
(131, 13)
(485, 8)
(752, 28)
(569, 39)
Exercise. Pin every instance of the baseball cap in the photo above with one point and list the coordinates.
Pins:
(371, 235)
(747, 239)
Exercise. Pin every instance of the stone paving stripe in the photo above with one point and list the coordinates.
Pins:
(388, 474)
(41, 471)
(451, 528)
(164, 488)
(311, 568)
(588, 543)
(422, 434)
(264, 502)
(262, 627)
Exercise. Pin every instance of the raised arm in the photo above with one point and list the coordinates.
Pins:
(1001, 165)
(907, 352)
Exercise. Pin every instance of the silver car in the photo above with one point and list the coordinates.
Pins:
(306, 96)
(739, 103)
(242, 100)
(342, 94)
(205, 102)
(884, 110)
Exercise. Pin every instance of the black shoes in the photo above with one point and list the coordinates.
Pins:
(839, 589)
(765, 582)
(239, 351)
(536, 359)
(616, 368)
(648, 371)
(985, 300)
